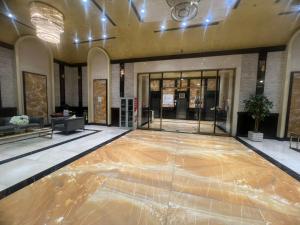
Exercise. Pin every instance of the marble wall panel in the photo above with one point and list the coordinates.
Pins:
(294, 117)
(100, 101)
(35, 95)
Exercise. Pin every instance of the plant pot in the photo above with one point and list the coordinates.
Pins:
(253, 136)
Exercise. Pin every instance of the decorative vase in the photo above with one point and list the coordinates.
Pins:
(255, 136)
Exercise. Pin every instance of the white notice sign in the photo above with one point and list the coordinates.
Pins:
(168, 99)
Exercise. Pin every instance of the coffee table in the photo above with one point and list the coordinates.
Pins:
(35, 132)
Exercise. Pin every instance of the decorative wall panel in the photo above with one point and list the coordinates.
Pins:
(100, 101)
(35, 95)
(294, 115)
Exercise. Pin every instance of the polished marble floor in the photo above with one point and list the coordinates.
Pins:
(151, 178)
(18, 170)
(278, 150)
(186, 126)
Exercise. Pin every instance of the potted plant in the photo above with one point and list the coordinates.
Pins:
(258, 106)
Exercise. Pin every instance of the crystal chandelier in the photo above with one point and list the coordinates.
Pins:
(48, 21)
(183, 10)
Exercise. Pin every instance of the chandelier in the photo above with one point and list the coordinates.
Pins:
(183, 10)
(48, 21)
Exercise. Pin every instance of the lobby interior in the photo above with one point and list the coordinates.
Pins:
(137, 112)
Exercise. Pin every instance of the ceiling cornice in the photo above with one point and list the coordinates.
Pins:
(203, 54)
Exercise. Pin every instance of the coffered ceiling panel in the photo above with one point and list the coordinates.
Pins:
(241, 24)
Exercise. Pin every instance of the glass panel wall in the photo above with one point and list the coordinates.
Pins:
(155, 101)
(143, 101)
(188, 101)
(169, 101)
(225, 101)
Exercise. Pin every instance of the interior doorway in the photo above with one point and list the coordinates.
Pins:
(187, 101)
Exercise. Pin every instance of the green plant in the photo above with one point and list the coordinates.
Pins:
(258, 106)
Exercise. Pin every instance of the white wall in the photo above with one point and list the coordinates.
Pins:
(115, 85)
(248, 78)
(98, 64)
(32, 55)
(71, 86)
(292, 65)
(275, 71)
(84, 87)
(8, 78)
(57, 84)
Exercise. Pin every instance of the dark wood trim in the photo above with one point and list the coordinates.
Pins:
(288, 13)
(103, 12)
(36, 177)
(69, 64)
(136, 13)
(122, 80)
(62, 85)
(289, 103)
(261, 72)
(14, 20)
(284, 168)
(79, 86)
(203, 54)
(237, 4)
(63, 63)
(6, 45)
(94, 40)
(24, 73)
(188, 27)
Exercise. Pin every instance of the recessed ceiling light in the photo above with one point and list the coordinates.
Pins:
(183, 24)
(76, 40)
(162, 27)
(207, 21)
(104, 36)
(10, 15)
(90, 38)
(143, 11)
(84, 0)
(103, 19)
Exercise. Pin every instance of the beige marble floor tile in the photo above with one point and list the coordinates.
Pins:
(160, 178)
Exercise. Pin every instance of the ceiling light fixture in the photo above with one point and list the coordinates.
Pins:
(183, 24)
(76, 40)
(48, 21)
(207, 21)
(183, 10)
(103, 19)
(10, 15)
(90, 38)
(104, 36)
(162, 27)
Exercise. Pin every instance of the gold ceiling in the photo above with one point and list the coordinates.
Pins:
(254, 23)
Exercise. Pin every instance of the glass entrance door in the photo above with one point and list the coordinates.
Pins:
(188, 101)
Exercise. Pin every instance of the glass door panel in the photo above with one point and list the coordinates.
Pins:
(209, 83)
(225, 102)
(169, 101)
(155, 101)
(143, 101)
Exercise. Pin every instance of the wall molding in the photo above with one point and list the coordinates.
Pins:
(203, 54)
(6, 45)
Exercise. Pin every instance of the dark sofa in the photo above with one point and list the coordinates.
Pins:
(67, 125)
(7, 127)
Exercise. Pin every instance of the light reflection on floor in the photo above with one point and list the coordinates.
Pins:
(150, 178)
(187, 126)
